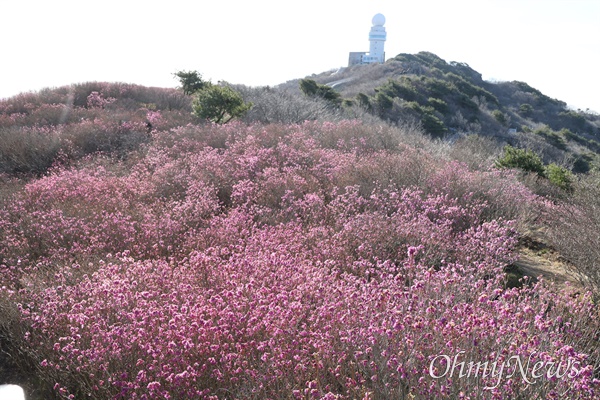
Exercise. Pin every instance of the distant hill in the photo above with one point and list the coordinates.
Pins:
(450, 97)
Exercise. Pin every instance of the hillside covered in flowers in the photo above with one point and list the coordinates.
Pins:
(146, 254)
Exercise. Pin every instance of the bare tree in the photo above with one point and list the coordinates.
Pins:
(274, 105)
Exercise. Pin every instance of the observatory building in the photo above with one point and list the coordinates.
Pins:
(377, 36)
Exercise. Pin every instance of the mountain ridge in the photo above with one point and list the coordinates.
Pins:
(447, 98)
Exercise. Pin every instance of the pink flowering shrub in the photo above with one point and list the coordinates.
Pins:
(68, 123)
(504, 195)
(281, 261)
(96, 100)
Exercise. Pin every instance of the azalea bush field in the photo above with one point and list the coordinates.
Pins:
(72, 122)
(306, 261)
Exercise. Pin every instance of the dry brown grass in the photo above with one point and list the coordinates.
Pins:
(574, 232)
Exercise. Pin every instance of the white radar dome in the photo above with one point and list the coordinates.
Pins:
(378, 20)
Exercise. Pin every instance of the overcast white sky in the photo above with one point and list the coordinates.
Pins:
(553, 45)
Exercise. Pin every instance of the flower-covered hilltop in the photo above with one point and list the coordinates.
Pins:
(287, 261)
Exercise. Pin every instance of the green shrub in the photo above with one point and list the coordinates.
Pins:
(309, 87)
(526, 110)
(582, 163)
(363, 101)
(433, 125)
(191, 81)
(466, 102)
(383, 101)
(574, 118)
(413, 105)
(499, 116)
(313, 89)
(403, 89)
(219, 104)
(523, 159)
(439, 88)
(560, 177)
(551, 137)
(594, 145)
(439, 105)
(469, 89)
(540, 98)
(566, 134)
(432, 60)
